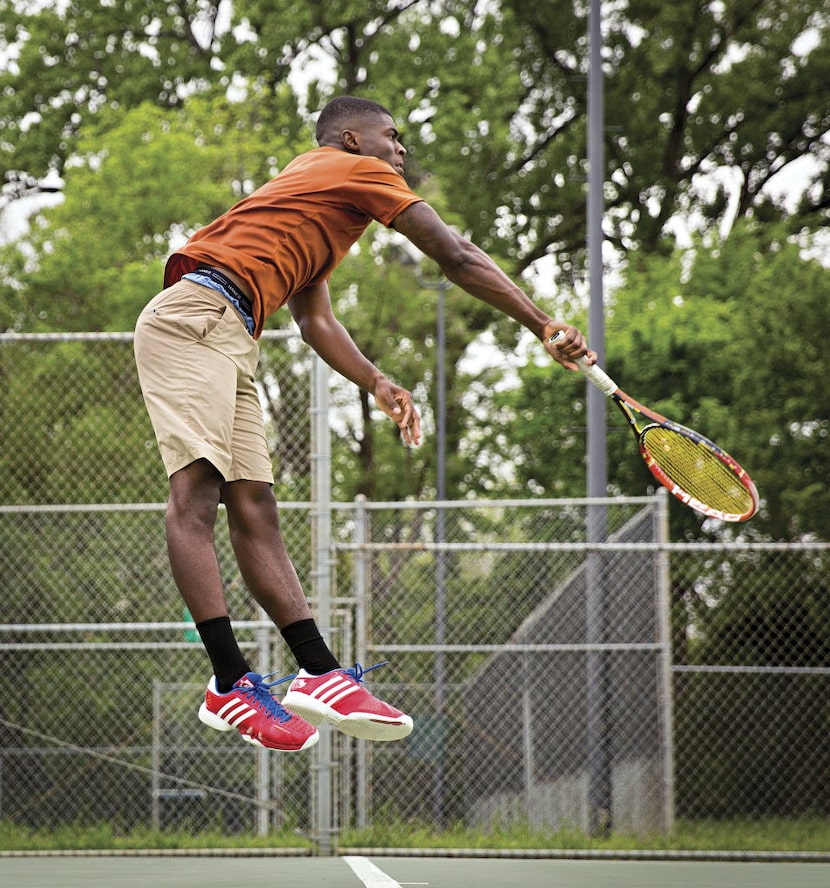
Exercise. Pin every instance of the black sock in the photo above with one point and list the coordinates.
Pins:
(309, 649)
(220, 643)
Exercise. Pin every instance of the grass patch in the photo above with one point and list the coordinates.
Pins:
(734, 835)
(103, 838)
(766, 835)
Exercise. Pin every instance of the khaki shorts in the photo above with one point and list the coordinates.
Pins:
(196, 365)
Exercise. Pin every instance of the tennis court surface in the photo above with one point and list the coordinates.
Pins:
(357, 871)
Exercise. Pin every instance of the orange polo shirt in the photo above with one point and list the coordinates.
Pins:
(294, 230)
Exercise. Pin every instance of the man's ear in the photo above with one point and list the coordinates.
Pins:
(350, 140)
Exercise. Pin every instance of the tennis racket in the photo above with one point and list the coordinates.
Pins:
(693, 468)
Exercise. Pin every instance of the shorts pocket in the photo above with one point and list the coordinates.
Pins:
(212, 321)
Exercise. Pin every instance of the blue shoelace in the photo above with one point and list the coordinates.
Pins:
(356, 672)
(262, 695)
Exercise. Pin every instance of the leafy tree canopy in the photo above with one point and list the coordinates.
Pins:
(160, 115)
(727, 339)
(739, 87)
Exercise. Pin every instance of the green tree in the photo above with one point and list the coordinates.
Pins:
(677, 106)
(690, 89)
(139, 180)
(67, 62)
(710, 351)
(676, 102)
(740, 86)
(699, 338)
(99, 259)
(390, 307)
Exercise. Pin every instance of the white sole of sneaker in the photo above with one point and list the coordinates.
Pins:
(218, 724)
(371, 728)
(362, 725)
(212, 720)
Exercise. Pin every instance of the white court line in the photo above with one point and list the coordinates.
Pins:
(369, 874)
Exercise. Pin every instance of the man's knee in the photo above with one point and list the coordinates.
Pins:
(194, 493)
(250, 504)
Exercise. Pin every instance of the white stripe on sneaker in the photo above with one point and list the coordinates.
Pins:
(334, 700)
(235, 712)
(334, 690)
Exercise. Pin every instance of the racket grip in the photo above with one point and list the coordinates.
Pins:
(598, 376)
(594, 372)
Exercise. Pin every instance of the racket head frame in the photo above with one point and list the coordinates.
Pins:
(630, 408)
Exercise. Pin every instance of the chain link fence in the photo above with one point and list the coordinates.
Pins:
(554, 683)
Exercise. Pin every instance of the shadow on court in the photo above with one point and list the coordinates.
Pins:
(397, 872)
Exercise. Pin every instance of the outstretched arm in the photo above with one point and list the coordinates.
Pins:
(474, 271)
(311, 309)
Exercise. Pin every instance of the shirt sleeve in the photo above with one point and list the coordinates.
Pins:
(379, 192)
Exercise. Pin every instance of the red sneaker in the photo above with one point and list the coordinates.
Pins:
(255, 713)
(340, 697)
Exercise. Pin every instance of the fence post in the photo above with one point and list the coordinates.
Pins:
(361, 579)
(263, 756)
(596, 681)
(527, 751)
(321, 581)
(664, 684)
(155, 787)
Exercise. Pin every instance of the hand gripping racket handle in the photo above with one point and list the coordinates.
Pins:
(594, 372)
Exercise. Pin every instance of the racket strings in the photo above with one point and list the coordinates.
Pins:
(697, 470)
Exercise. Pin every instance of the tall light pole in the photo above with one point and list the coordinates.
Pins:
(441, 286)
(599, 777)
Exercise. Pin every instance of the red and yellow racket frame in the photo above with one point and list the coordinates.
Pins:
(630, 408)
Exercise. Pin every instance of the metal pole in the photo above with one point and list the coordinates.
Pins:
(361, 588)
(263, 756)
(527, 753)
(324, 829)
(440, 555)
(439, 777)
(597, 458)
(664, 684)
(599, 793)
(155, 791)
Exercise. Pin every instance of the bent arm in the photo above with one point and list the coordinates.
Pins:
(311, 309)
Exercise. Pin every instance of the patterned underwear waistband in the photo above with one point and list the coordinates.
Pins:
(224, 285)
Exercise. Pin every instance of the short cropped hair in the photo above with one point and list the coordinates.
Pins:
(338, 113)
